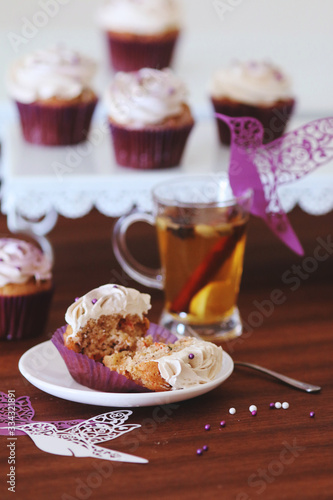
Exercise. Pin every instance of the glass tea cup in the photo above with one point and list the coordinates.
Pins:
(201, 230)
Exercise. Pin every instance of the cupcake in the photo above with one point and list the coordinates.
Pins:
(108, 319)
(25, 289)
(163, 367)
(149, 117)
(109, 345)
(51, 88)
(256, 89)
(140, 33)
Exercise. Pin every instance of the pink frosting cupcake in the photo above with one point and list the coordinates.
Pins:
(26, 289)
(149, 117)
(256, 89)
(51, 88)
(140, 33)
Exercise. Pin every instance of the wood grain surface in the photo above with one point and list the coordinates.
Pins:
(278, 454)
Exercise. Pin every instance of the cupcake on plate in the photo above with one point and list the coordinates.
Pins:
(140, 33)
(108, 345)
(164, 367)
(108, 319)
(256, 89)
(51, 88)
(149, 117)
(26, 289)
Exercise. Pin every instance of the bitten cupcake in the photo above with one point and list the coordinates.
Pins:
(140, 33)
(149, 117)
(25, 289)
(108, 319)
(256, 89)
(51, 88)
(109, 345)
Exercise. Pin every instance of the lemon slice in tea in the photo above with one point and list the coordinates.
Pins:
(214, 299)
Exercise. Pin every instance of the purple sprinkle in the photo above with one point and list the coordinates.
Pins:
(253, 413)
(199, 451)
(18, 268)
(278, 75)
(1, 260)
(312, 414)
(191, 355)
(115, 286)
(272, 405)
(222, 423)
(77, 298)
(205, 447)
(94, 301)
(207, 427)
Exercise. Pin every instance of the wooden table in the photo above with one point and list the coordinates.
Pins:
(278, 454)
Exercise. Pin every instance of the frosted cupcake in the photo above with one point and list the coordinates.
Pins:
(149, 117)
(25, 289)
(140, 33)
(51, 88)
(108, 344)
(256, 89)
(108, 319)
(186, 363)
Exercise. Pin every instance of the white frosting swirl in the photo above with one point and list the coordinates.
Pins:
(182, 372)
(106, 300)
(145, 97)
(251, 83)
(20, 261)
(52, 72)
(140, 17)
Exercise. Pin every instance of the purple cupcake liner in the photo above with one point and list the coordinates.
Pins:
(149, 148)
(55, 125)
(273, 118)
(96, 376)
(24, 316)
(133, 54)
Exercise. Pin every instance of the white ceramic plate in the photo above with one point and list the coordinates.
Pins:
(44, 368)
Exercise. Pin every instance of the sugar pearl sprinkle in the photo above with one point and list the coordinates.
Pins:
(94, 301)
(253, 410)
(191, 355)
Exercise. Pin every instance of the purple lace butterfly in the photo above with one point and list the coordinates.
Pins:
(264, 168)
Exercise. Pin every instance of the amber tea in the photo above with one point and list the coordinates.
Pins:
(201, 235)
(202, 260)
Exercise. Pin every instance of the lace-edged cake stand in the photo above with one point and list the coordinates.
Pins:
(38, 183)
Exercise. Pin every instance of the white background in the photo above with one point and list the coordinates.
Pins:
(296, 34)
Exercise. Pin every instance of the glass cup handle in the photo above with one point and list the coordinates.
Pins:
(142, 274)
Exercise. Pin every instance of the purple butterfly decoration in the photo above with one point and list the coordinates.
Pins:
(264, 168)
(24, 414)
